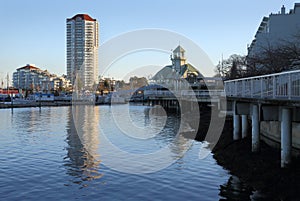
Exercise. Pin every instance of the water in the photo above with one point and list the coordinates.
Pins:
(45, 154)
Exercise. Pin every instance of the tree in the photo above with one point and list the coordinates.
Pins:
(233, 67)
(275, 58)
(137, 82)
(233, 73)
(106, 83)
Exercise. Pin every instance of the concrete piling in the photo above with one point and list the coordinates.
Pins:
(245, 126)
(236, 123)
(255, 128)
(236, 127)
(286, 137)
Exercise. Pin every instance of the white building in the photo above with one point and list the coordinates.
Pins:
(61, 82)
(33, 78)
(276, 30)
(82, 49)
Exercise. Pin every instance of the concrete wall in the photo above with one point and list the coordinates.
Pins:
(270, 133)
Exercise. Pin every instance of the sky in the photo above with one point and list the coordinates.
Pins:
(34, 31)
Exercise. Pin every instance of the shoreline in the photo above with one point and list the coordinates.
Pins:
(35, 104)
(45, 104)
(261, 171)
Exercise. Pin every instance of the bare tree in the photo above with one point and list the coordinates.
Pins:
(231, 68)
(285, 55)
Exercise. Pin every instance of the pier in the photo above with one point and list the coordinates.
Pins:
(272, 104)
(169, 99)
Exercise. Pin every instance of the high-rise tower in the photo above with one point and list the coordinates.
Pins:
(82, 50)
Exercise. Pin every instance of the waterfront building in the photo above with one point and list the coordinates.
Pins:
(60, 82)
(275, 30)
(82, 50)
(30, 77)
(173, 75)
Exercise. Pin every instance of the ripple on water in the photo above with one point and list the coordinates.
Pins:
(43, 158)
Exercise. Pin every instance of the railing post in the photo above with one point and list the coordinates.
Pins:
(230, 88)
(248, 88)
(274, 86)
(243, 88)
(235, 88)
(251, 88)
(261, 88)
(289, 86)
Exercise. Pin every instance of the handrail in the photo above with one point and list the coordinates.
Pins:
(285, 85)
(260, 76)
(183, 93)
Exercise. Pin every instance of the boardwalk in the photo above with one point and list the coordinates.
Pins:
(273, 102)
(279, 86)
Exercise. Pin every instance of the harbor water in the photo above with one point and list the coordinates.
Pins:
(57, 153)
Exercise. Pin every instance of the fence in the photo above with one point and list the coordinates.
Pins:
(285, 85)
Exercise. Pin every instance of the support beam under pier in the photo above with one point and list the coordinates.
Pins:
(245, 126)
(236, 123)
(286, 137)
(236, 127)
(255, 129)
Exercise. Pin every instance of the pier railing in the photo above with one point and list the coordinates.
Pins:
(185, 93)
(285, 85)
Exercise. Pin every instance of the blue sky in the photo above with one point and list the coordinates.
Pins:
(33, 31)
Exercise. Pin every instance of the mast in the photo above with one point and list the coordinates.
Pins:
(7, 84)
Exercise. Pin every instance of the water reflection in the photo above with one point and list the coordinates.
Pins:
(175, 133)
(82, 160)
(177, 130)
(142, 145)
(33, 143)
(235, 189)
(30, 119)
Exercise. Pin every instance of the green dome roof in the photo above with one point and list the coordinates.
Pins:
(168, 72)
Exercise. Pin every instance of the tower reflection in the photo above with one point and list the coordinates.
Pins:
(82, 160)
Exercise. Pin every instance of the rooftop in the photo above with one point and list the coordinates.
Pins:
(168, 73)
(179, 49)
(28, 67)
(83, 17)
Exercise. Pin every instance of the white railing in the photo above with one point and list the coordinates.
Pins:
(202, 93)
(158, 93)
(285, 85)
(185, 93)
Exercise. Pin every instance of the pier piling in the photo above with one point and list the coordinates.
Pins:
(236, 123)
(286, 137)
(255, 128)
(245, 126)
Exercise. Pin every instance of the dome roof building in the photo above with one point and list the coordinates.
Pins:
(179, 70)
